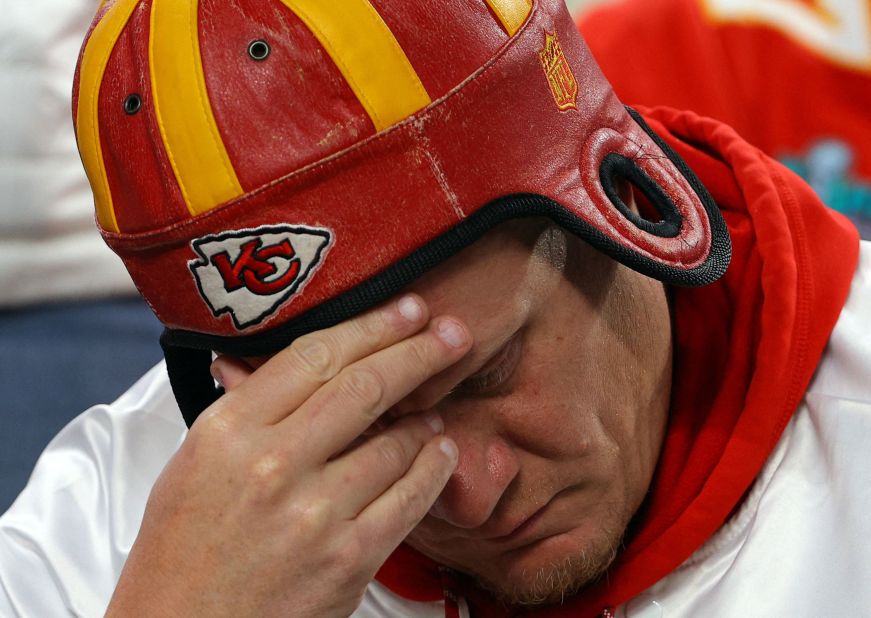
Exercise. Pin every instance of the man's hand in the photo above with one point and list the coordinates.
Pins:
(277, 504)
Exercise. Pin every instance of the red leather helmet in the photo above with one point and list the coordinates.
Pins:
(268, 168)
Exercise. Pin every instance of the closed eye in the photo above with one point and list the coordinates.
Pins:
(496, 373)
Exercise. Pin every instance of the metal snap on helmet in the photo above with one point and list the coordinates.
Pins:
(266, 168)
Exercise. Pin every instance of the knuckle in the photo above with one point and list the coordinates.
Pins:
(266, 475)
(391, 452)
(421, 357)
(364, 386)
(371, 327)
(309, 518)
(410, 504)
(314, 356)
(217, 422)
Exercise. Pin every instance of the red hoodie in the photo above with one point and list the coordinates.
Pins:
(745, 350)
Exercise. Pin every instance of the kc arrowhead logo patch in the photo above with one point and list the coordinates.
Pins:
(251, 273)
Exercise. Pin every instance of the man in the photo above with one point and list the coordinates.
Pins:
(442, 294)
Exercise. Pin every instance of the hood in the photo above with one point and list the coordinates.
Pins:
(746, 348)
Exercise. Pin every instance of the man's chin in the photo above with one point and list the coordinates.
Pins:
(549, 571)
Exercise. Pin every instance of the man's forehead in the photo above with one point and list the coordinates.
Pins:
(508, 268)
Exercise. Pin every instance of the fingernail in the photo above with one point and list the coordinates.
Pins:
(410, 308)
(451, 333)
(448, 447)
(435, 422)
(216, 374)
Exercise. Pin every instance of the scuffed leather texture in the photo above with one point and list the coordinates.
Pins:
(282, 113)
(495, 133)
(446, 41)
(141, 180)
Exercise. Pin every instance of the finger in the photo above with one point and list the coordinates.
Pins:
(386, 522)
(342, 409)
(361, 475)
(230, 372)
(277, 388)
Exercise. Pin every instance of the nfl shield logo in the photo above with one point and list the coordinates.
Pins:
(563, 84)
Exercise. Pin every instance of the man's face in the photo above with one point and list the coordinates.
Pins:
(558, 411)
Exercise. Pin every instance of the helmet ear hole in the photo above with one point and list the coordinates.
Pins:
(654, 211)
(631, 197)
(643, 207)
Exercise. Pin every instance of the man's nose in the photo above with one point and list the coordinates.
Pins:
(485, 469)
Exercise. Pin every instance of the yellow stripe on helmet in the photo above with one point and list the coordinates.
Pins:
(93, 67)
(187, 124)
(368, 56)
(512, 13)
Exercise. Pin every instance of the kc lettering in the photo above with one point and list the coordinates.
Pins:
(254, 268)
(250, 274)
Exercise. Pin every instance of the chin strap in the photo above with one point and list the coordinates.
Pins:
(192, 383)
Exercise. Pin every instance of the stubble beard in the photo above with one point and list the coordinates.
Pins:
(559, 581)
